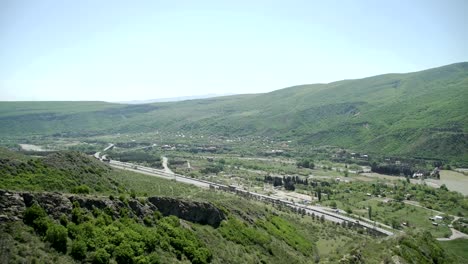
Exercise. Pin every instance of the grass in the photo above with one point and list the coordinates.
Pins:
(458, 248)
(454, 181)
(254, 232)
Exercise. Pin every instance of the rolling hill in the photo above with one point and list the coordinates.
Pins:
(420, 114)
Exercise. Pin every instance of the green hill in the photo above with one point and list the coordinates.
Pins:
(421, 114)
(98, 228)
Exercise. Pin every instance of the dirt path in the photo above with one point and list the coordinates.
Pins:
(166, 168)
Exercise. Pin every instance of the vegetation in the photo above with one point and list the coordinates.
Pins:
(457, 248)
(421, 114)
(125, 239)
(254, 232)
(62, 171)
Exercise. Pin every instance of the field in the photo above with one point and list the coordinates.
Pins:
(457, 247)
(454, 181)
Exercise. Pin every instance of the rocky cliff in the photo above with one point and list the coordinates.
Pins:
(13, 204)
(198, 212)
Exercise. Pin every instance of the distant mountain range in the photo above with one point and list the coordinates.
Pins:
(420, 114)
(174, 99)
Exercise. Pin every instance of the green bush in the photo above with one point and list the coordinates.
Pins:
(41, 225)
(32, 213)
(82, 189)
(57, 236)
(124, 253)
(77, 215)
(78, 250)
(63, 220)
(100, 257)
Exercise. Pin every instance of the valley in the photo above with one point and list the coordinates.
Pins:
(328, 173)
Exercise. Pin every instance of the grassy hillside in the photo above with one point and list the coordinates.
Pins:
(419, 114)
(252, 233)
(62, 171)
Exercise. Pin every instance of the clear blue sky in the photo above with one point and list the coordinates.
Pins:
(125, 50)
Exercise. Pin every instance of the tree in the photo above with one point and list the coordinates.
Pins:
(32, 213)
(100, 257)
(57, 236)
(370, 212)
(78, 250)
(311, 164)
(319, 194)
(124, 253)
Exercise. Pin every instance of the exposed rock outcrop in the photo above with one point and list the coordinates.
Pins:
(13, 204)
(198, 212)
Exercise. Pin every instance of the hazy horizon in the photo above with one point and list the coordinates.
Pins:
(116, 51)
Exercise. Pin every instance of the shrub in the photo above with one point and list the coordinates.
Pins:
(41, 225)
(63, 220)
(124, 253)
(78, 250)
(32, 213)
(100, 257)
(148, 221)
(57, 236)
(123, 199)
(73, 230)
(82, 189)
(77, 215)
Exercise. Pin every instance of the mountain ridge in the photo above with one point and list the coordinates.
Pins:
(416, 114)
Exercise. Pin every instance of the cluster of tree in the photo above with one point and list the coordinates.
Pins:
(213, 168)
(393, 169)
(306, 163)
(287, 181)
(136, 156)
(177, 161)
(97, 238)
(461, 225)
(132, 144)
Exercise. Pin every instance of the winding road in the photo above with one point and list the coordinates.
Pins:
(317, 210)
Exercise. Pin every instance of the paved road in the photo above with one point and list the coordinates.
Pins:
(455, 235)
(109, 147)
(317, 210)
(158, 173)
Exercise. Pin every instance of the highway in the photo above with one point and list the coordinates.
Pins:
(317, 210)
(159, 173)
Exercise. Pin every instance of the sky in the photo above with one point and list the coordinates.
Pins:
(113, 50)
